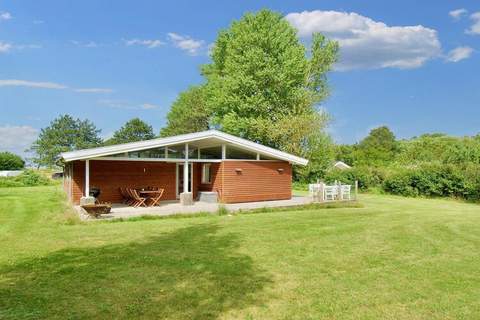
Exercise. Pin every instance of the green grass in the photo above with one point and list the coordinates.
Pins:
(394, 258)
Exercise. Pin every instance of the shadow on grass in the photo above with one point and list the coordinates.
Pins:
(191, 273)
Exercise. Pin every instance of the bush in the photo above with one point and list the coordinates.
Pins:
(10, 161)
(435, 181)
(28, 178)
(367, 177)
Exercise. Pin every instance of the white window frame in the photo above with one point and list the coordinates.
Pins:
(206, 178)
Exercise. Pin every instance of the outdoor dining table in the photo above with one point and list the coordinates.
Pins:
(149, 194)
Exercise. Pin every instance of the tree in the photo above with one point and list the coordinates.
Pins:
(262, 86)
(10, 161)
(378, 148)
(64, 134)
(188, 113)
(133, 130)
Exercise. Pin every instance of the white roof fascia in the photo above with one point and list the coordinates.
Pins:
(185, 138)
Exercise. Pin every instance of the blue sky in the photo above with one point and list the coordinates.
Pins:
(412, 65)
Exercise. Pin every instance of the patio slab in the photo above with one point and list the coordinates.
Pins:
(172, 208)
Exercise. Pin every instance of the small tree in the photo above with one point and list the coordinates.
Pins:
(188, 113)
(133, 130)
(10, 161)
(64, 134)
(378, 148)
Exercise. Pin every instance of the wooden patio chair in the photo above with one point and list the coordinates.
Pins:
(155, 199)
(125, 196)
(139, 201)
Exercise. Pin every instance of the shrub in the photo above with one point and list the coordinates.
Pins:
(10, 161)
(367, 177)
(435, 181)
(28, 178)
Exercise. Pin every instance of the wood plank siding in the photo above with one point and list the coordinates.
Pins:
(110, 175)
(246, 181)
(235, 181)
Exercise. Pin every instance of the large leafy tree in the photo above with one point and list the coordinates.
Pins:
(264, 86)
(133, 130)
(378, 148)
(188, 113)
(64, 134)
(260, 81)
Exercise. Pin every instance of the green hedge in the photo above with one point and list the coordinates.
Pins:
(367, 177)
(439, 180)
(28, 178)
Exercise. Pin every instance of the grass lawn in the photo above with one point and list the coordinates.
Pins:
(395, 258)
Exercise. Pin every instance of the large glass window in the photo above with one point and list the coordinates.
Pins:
(237, 153)
(156, 153)
(176, 152)
(211, 153)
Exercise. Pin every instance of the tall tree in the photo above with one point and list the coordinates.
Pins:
(262, 85)
(378, 148)
(64, 134)
(11, 161)
(188, 113)
(133, 130)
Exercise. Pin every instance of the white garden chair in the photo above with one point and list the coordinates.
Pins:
(345, 192)
(330, 193)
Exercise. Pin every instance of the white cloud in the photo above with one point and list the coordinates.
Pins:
(459, 53)
(368, 44)
(458, 13)
(17, 138)
(5, 47)
(148, 106)
(93, 90)
(32, 84)
(186, 43)
(89, 44)
(27, 46)
(147, 43)
(475, 28)
(5, 15)
(121, 104)
(38, 21)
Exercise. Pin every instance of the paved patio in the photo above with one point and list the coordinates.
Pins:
(172, 208)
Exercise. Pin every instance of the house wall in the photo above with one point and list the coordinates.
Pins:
(110, 175)
(257, 181)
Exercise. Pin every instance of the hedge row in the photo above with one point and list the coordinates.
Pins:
(436, 180)
(28, 178)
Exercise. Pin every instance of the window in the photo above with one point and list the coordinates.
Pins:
(211, 153)
(206, 173)
(240, 154)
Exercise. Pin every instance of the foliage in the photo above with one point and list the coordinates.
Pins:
(188, 113)
(10, 161)
(262, 86)
(64, 134)
(28, 178)
(133, 130)
(436, 180)
(367, 177)
(378, 148)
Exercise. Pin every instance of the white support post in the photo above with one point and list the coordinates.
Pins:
(258, 156)
(185, 170)
(166, 152)
(87, 178)
(224, 151)
(198, 153)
